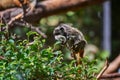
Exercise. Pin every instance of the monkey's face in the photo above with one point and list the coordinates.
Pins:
(60, 33)
(59, 30)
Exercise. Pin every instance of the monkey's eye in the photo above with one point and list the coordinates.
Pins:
(62, 29)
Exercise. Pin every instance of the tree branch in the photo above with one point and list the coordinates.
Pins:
(114, 65)
(110, 76)
(47, 8)
(103, 70)
(33, 28)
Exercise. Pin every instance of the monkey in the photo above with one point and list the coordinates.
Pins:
(72, 38)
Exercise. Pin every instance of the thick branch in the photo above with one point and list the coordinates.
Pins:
(103, 70)
(110, 76)
(49, 7)
(114, 65)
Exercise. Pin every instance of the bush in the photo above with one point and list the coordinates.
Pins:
(25, 60)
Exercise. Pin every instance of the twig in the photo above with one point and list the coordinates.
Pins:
(20, 17)
(104, 69)
(38, 31)
(15, 18)
(28, 25)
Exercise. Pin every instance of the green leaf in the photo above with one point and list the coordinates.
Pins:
(11, 41)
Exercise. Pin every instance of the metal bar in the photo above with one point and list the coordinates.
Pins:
(107, 26)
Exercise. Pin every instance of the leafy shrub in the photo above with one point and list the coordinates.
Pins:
(25, 60)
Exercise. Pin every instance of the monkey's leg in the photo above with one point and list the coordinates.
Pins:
(74, 56)
(77, 59)
(77, 56)
(81, 53)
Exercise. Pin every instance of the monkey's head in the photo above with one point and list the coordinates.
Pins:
(70, 36)
(62, 29)
(60, 33)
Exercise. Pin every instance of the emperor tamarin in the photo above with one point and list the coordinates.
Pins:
(72, 38)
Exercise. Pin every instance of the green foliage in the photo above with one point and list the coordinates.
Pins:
(25, 60)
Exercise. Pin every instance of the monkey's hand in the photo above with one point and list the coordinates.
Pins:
(61, 38)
